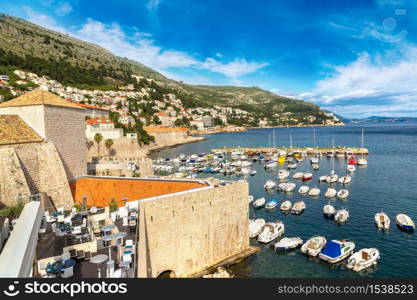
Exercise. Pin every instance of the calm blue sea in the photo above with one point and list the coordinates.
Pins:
(387, 183)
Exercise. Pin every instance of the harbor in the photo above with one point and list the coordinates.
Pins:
(369, 194)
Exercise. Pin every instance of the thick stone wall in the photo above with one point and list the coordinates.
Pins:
(65, 127)
(192, 231)
(168, 138)
(30, 169)
(12, 179)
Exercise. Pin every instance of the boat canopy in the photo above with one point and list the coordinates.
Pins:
(332, 249)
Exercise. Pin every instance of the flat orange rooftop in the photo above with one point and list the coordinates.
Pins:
(101, 190)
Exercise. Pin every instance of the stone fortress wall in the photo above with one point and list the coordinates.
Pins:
(191, 231)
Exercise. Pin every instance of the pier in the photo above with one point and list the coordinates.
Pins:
(309, 150)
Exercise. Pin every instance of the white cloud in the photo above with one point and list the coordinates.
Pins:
(152, 5)
(63, 9)
(43, 20)
(234, 69)
(379, 83)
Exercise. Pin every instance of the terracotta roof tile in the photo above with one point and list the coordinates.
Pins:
(39, 97)
(13, 130)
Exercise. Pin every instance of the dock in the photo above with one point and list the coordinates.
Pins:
(309, 150)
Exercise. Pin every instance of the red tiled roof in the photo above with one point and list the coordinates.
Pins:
(96, 121)
(89, 106)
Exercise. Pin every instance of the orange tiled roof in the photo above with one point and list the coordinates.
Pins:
(162, 114)
(39, 97)
(95, 121)
(89, 106)
(162, 129)
(100, 190)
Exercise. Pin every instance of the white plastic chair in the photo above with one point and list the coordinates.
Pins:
(129, 243)
(68, 272)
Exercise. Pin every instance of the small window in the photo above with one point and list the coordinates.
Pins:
(151, 218)
(173, 213)
(193, 207)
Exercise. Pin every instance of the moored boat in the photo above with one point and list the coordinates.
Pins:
(250, 198)
(255, 227)
(271, 204)
(335, 250)
(345, 179)
(314, 192)
(286, 205)
(283, 174)
(298, 175)
(351, 168)
(314, 245)
(329, 211)
(405, 222)
(343, 194)
(289, 187)
(363, 259)
(307, 176)
(298, 208)
(271, 231)
(330, 193)
(269, 184)
(259, 202)
(288, 244)
(342, 216)
(303, 189)
(382, 220)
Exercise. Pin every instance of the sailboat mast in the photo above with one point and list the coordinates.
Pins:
(314, 137)
(290, 141)
(362, 142)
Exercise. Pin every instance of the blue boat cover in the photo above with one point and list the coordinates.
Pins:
(331, 249)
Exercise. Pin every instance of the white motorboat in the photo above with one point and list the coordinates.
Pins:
(271, 204)
(298, 208)
(330, 193)
(342, 216)
(245, 171)
(283, 174)
(303, 189)
(315, 167)
(292, 166)
(314, 160)
(313, 246)
(322, 178)
(332, 178)
(253, 173)
(351, 168)
(363, 259)
(286, 205)
(307, 176)
(335, 250)
(343, 194)
(405, 222)
(345, 179)
(255, 227)
(250, 198)
(362, 161)
(314, 192)
(329, 211)
(288, 244)
(270, 165)
(269, 184)
(298, 175)
(271, 231)
(289, 187)
(259, 202)
(281, 186)
(382, 220)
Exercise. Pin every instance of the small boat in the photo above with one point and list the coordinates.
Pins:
(259, 202)
(292, 165)
(314, 192)
(363, 259)
(298, 208)
(269, 184)
(362, 162)
(314, 160)
(342, 216)
(289, 187)
(332, 178)
(322, 178)
(330, 153)
(255, 227)
(271, 231)
(382, 220)
(288, 244)
(281, 186)
(303, 189)
(315, 167)
(298, 175)
(343, 194)
(352, 160)
(253, 173)
(282, 174)
(245, 171)
(271, 204)
(314, 245)
(250, 198)
(351, 168)
(307, 176)
(286, 205)
(329, 211)
(330, 193)
(335, 250)
(405, 222)
(345, 179)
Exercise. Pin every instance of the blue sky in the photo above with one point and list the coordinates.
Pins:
(356, 58)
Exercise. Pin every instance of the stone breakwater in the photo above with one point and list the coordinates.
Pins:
(309, 150)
